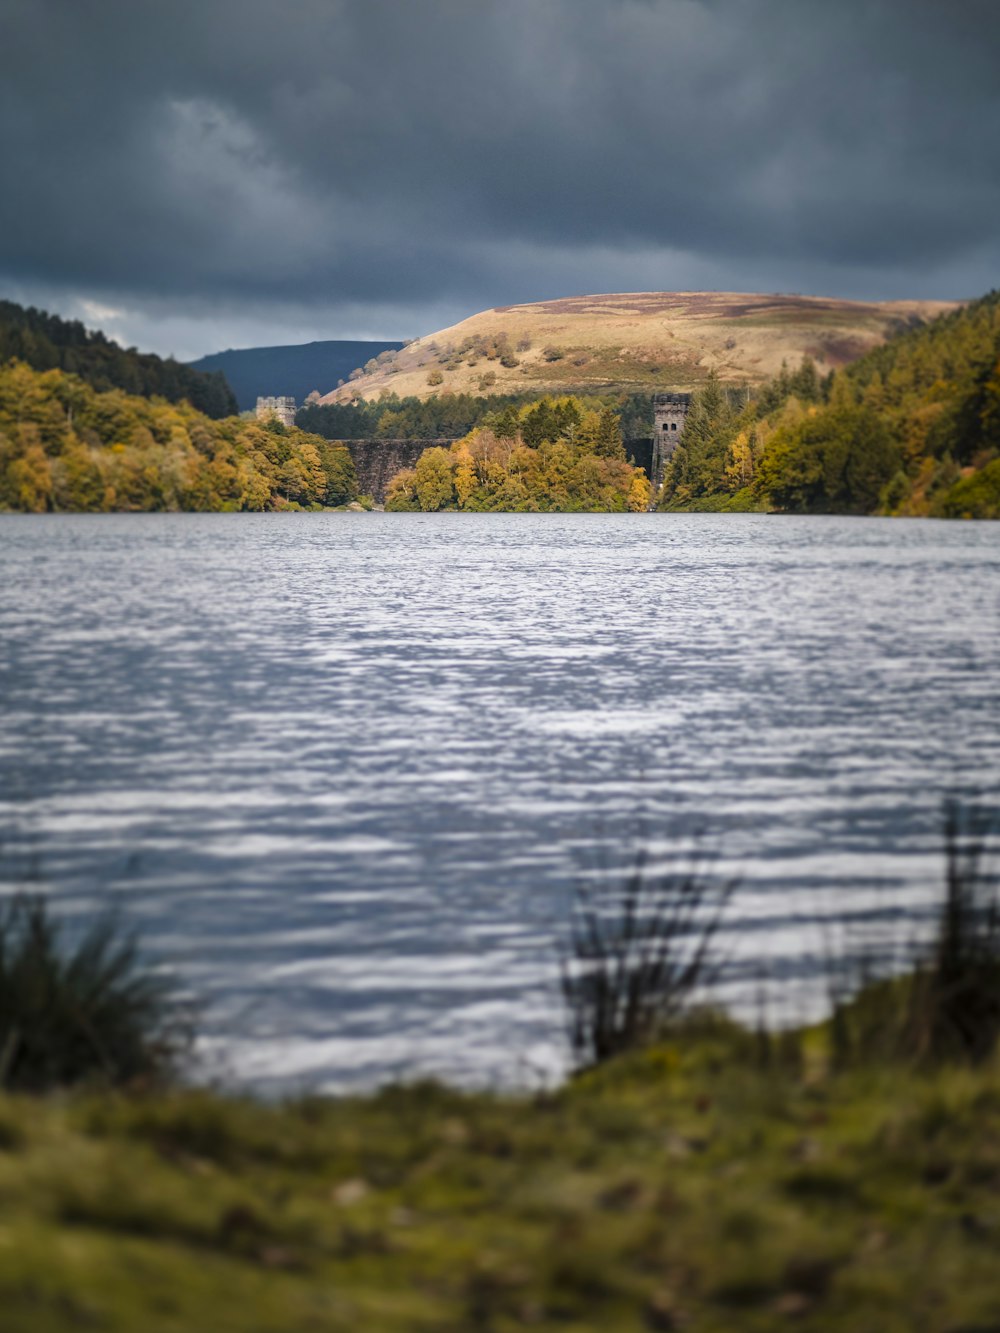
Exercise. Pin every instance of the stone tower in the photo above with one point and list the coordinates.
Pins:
(283, 408)
(669, 415)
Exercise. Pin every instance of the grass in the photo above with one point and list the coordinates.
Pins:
(73, 1011)
(638, 957)
(954, 1009)
(679, 1187)
(945, 1007)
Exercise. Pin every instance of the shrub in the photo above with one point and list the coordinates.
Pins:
(946, 1006)
(638, 954)
(70, 1014)
(954, 1009)
(976, 496)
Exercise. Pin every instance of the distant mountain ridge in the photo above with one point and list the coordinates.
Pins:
(48, 342)
(636, 342)
(293, 370)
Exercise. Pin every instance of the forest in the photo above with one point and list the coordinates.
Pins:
(910, 429)
(558, 454)
(46, 342)
(66, 447)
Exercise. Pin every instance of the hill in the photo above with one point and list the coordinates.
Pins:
(912, 428)
(47, 342)
(636, 341)
(295, 370)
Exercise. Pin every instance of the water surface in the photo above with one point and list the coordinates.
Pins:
(343, 769)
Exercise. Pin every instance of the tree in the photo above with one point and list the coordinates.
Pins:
(341, 478)
(46, 342)
(433, 480)
(29, 484)
(107, 450)
(698, 465)
(77, 482)
(836, 460)
(489, 470)
(401, 497)
(739, 461)
(464, 474)
(609, 435)
(639, 493)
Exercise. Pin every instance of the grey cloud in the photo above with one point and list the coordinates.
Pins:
(344, 159)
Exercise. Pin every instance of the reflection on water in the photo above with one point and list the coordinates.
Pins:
(343, 768)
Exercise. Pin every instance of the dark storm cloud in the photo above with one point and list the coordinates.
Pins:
(348, 162)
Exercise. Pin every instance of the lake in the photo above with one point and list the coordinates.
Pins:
(343, 770)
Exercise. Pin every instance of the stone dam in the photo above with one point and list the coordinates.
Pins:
(378, 461)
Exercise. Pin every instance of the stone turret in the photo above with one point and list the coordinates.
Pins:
(282, 408)
(669, 416)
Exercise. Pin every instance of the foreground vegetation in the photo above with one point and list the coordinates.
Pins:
(686, 1186)
(912, 428)
(67, 447)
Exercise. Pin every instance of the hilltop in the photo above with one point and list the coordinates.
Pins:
(295, 370)
(635, 341)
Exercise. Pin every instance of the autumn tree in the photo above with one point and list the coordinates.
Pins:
(433, 479)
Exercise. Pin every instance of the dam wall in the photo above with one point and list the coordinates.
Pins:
(640, 453)
(378, 461)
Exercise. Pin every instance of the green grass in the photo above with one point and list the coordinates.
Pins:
(681, 1187)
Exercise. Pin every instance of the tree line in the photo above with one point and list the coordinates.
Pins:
(46, 342)
(445, 415)
(67, 447)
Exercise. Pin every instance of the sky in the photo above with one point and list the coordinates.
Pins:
(203, 174)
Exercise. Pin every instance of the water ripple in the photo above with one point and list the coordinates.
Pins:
(343, 770)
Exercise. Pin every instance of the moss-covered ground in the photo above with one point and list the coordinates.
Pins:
(688, 1187)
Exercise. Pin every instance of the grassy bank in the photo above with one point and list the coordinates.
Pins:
(687, 1186)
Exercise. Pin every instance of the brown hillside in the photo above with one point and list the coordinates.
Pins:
(634, 341)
